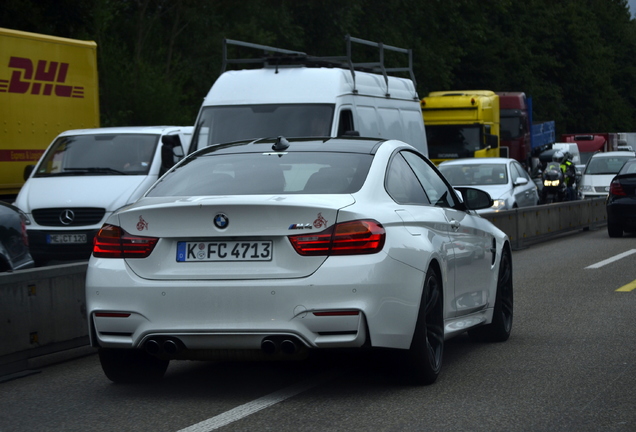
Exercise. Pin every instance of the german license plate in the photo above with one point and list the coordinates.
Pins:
(224, 251)
(66, 238)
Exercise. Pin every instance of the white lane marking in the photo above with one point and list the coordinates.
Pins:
(259, 404)
(612, 259)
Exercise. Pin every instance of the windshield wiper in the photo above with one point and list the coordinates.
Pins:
(104, 170)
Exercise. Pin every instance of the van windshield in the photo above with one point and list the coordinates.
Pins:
(453, 141)
(220, 124)
(101, 154)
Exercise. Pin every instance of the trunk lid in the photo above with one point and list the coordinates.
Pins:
(253, 244)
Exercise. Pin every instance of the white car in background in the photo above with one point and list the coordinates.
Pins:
(267, 249)
(599, 172)
(505, 180)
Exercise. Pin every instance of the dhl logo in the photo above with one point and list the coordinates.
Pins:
(46, 79)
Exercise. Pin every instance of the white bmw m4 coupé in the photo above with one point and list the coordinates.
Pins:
(272, 248)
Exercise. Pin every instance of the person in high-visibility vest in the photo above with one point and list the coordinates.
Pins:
(569, 171)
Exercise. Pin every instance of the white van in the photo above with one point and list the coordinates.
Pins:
(84, 176)
(296, 95)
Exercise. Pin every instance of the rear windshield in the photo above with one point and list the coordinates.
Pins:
(472, 174)
(102, 154)
(606, 165)
(220, 124)
(629, 167)
(265, 173)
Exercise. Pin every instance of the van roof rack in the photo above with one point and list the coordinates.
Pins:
(281, 57)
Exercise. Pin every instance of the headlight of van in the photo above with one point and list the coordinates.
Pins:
(587, 188)
(25, 218)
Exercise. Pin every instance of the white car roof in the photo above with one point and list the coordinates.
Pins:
(158, 130)
(612, 154)
(476, 161)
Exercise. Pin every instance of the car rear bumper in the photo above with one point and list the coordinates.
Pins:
(339, 306)
(623, 213)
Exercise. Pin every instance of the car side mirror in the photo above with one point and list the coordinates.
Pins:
(492, 141)
(27, 171)
(520, 181)
(475, 199)
(171, 152)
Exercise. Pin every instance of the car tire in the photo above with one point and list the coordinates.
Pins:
(424, 357)
(614, 229)
(131, 365)
(501, 326)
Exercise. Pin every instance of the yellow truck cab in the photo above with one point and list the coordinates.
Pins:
(461, 124)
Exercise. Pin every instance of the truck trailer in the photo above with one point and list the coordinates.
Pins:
(48, 85)
(592, 143)
(519, 133)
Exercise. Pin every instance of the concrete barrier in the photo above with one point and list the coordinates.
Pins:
(530, 225)
(43, 310)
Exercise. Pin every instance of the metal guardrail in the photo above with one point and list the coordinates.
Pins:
(43, 310)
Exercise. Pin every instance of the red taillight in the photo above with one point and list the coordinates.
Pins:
(113, 242)
(616, 188)
(348, 238)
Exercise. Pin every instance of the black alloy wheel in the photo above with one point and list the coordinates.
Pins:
(424, 358)
(501, 326)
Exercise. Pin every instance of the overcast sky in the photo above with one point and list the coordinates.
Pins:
(632, 6)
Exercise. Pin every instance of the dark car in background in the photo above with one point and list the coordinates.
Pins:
(621, 201)
(14, 243)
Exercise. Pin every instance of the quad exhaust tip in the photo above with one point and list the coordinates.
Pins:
(268, 346)
(152, 347)
(157, 347)
(273, 345)
(288, 346)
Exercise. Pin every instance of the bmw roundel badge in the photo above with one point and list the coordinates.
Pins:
(221, 221)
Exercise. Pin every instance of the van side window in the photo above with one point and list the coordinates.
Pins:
(345, 122)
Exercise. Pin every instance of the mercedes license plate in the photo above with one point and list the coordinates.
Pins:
(224, 251)
(66, 238)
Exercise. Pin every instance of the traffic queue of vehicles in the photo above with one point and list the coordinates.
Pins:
(302, 178)
(300, 219)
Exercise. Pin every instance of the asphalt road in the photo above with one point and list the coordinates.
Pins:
(568, 366)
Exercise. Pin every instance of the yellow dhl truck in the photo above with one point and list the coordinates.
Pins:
(461, 124)
(48, 85)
